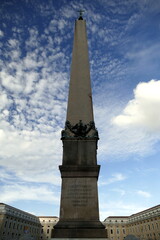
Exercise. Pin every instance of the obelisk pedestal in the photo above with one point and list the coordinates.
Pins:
(79, 211)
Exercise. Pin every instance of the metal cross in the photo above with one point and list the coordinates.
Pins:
(81, 14)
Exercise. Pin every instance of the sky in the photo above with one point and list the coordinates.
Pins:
(124, 50)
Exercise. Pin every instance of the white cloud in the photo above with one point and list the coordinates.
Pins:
(15, 192)
(119, 191)
(144, 194)
(4, 101)
(30, 155)
(116, 177)
(1, 33)
(144, 110)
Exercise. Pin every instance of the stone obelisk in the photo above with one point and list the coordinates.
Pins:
(79, 211)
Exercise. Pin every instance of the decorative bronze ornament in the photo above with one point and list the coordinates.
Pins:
(80, 130)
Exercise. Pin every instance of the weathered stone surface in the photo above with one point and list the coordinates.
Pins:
(81, 233)
(80, 95)
(79, 152)
(79, 238)
(79, 199)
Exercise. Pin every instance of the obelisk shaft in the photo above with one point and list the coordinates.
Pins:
(80, 95)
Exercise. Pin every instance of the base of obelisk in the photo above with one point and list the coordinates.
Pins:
(79, 238)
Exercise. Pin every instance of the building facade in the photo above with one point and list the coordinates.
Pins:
(146, 224)
(14, 223)
(47, 226)
(143, 225)
(116, 227)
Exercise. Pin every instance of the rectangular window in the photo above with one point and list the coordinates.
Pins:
(117, 231)
(47, 231)
(111, 231)
(124, 231)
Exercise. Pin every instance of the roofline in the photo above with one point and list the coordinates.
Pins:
(118, 217)
(145, 210)
(18, 209)
(47, 216)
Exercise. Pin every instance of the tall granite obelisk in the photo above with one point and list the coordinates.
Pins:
(79, 211)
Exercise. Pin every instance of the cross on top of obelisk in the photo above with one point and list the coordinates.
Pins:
(80, 14)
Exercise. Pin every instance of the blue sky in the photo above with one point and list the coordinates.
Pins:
(124, 49)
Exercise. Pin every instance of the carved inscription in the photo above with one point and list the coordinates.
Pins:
(80, 195)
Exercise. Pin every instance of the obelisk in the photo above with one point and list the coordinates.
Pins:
(79, 210)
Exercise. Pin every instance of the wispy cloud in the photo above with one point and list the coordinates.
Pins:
(144, 194)
(122, 192)
(1, 33)
(15, 192)
(116, 177)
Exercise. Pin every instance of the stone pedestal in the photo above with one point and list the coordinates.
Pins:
(79, 211)
(79, 214)
(79, 239)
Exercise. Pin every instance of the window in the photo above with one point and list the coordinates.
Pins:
(47, 231)
(124, 231)
(5, 224)
(117, 231)
(106, 233)
(111, 231)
